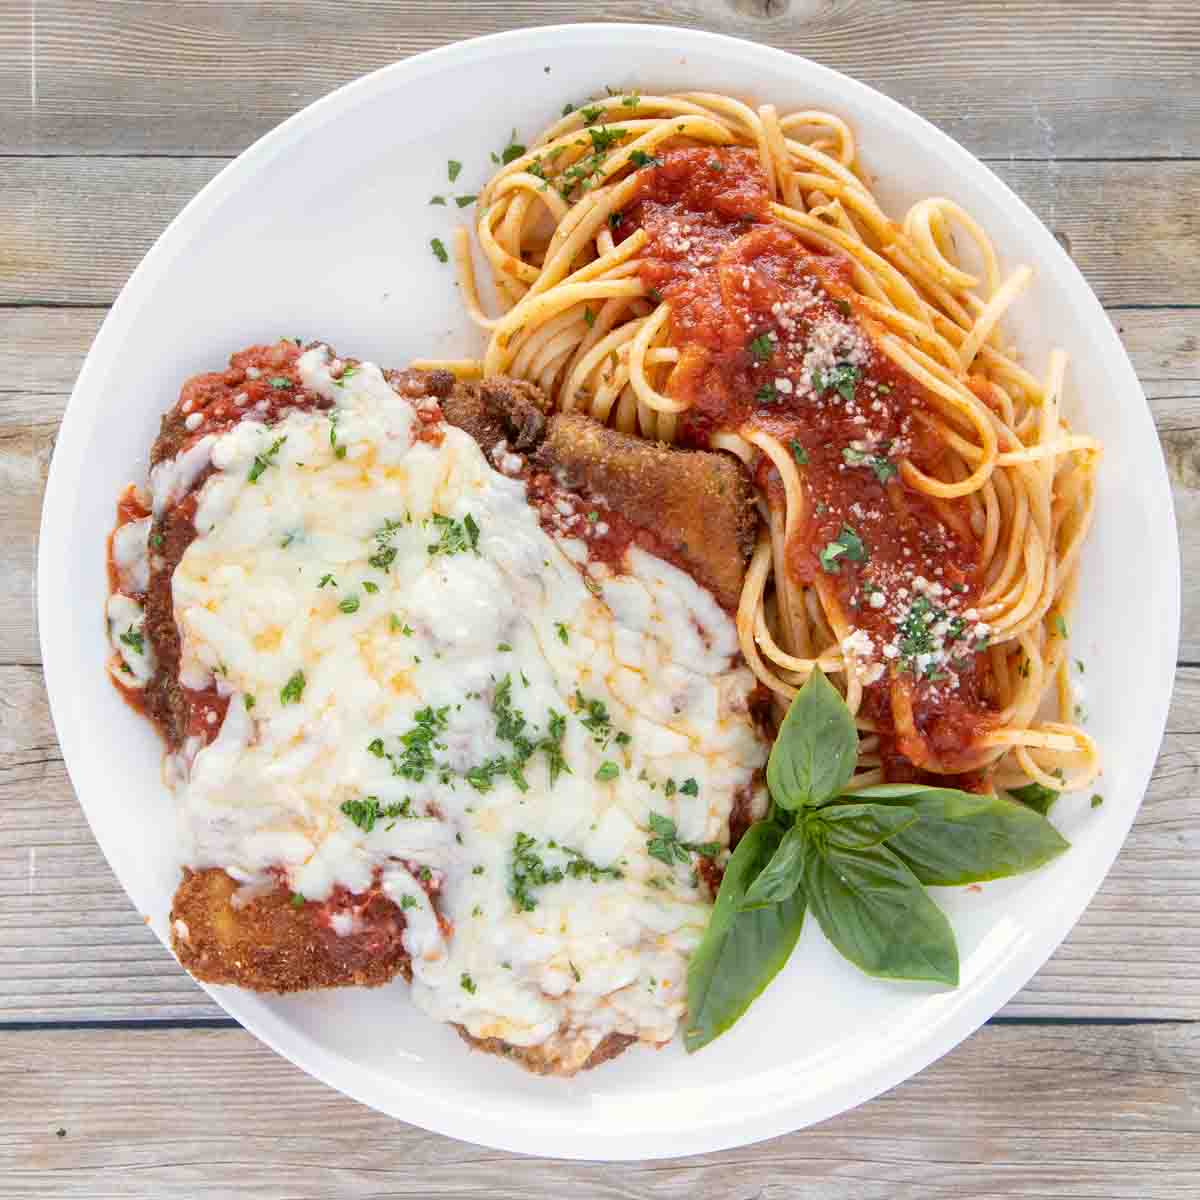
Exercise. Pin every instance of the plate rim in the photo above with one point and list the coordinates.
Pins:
(434, 1113)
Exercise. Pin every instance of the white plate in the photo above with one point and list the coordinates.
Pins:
(322, 229)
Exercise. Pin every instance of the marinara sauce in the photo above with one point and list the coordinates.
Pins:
(771, 335)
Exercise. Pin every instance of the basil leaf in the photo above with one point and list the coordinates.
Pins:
(741, 952)
(876, 913)
(857, 826)
(961, 837)
(781, 876)
(1036, 796)
(813, 756)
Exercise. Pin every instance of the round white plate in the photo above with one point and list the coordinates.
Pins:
(322, 229)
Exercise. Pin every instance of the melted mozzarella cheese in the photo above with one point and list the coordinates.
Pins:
(131, 555)
(133, 663)
(340, 600)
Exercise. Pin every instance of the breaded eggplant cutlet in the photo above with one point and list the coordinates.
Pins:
(692, 508)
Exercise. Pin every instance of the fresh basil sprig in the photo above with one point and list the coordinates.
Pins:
(859, 860)
(742, 951)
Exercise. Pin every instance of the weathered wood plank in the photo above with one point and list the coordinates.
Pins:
(41, 350)
(73, 948)
(211, 1113)
(53, 209)
(1014, 77)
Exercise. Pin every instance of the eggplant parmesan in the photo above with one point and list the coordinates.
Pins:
(450, 689)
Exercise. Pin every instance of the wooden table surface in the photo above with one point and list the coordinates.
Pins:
(118, 1077)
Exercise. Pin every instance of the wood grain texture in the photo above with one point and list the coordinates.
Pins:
(1092, 1112)
(211, 1113)
(1006, 77)
(42, 348)
(73, 948)
(52, 208)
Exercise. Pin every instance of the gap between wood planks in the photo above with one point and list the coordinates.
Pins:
(1011, 1112)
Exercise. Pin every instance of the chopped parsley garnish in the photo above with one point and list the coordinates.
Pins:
(666, 846)
(655, 295)
(594, 716)
(437, 200)
(512, 151)
(280, 382)
(369, 587)
(465, 201)
(1060, 625)
(439, 250)
(1097, 800)
(266, 459)
(591, 114)
(580, 867)
(689, 787)
(409, 901)
(561, 630)
(349, 604)
(297, 900)
(467, 983)
(568, 109)
(249, 701)
(327, 581)
(416, 757)
(843, 306)
(798, 453)
(589, 317)
(614, 219)
(607, 772)
(293, 690)
(631, 101)
(840, 378)
(767, 394)
(847, 545)
(364, 813)
(604, 139)
(883, 466)
(513, 727)
(456, 537)
(504, 647)
(157, 539)
(916, 630)
(453, 167)
(715, 166)
(640, 158)
(761, 348)
(529, 871)
(551, 746)
(347, 373)
(135, 640)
